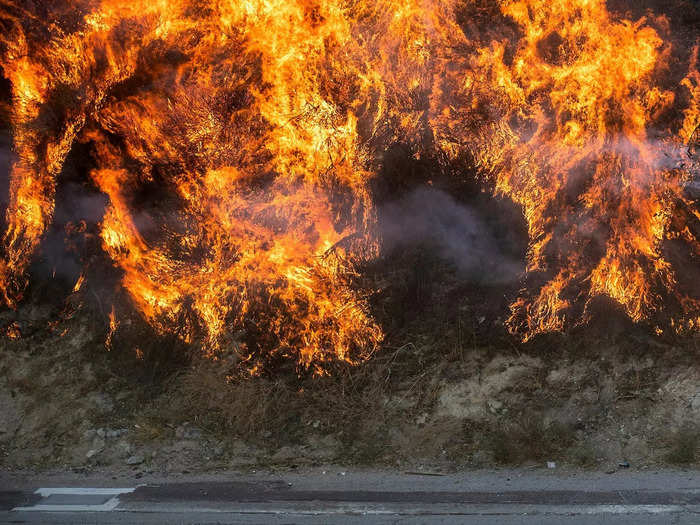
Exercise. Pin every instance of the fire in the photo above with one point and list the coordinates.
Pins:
(574, 137)
(113, 325)
(237, 142)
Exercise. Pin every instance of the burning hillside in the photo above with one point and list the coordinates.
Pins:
(239, 143)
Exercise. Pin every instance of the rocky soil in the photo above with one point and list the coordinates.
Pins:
(67, 402)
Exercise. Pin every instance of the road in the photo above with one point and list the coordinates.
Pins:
(323, 496)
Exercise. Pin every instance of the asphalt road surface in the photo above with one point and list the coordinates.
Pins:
(335, 496)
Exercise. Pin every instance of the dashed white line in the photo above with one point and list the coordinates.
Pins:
(106, 506)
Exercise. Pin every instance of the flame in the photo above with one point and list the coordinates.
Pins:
(572, 137)
(237, 142)
(113, 325)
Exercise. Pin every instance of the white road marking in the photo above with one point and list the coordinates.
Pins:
(108, 505)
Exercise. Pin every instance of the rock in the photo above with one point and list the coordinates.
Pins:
(136, 459)
(92, 453)
(285, 454)
(624, 464)
(494, 405)
(101, 432)
(695, 402)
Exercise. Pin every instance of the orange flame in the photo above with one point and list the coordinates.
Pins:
(252, 130)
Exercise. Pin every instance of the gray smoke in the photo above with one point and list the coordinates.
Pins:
(460, 234)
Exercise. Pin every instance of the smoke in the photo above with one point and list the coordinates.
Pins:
(461, 234)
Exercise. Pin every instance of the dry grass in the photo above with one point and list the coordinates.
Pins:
(684, 446)
(528, 437)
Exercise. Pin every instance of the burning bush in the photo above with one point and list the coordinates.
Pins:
(238, 144)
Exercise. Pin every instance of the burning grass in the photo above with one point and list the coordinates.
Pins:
(233, 163)
(459, 232)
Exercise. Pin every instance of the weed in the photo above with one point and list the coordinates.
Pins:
(529, 437)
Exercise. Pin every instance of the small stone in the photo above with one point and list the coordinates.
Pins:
(91, 453)
(624, 464)
(695, 402)
(494, 405)
(135, 460)
(101, 432)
